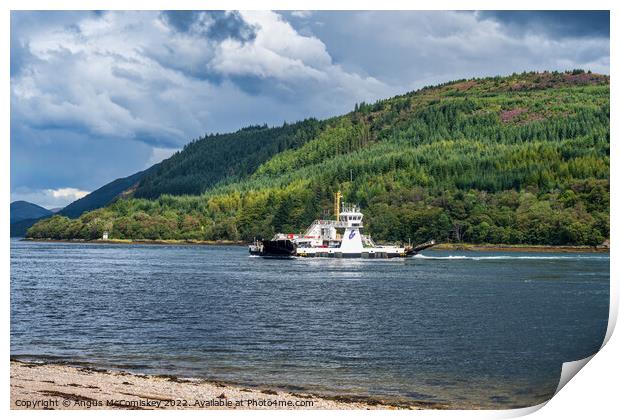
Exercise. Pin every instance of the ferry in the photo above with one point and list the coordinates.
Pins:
(339, 238)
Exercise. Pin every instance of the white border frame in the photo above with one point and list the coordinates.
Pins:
(593, 393)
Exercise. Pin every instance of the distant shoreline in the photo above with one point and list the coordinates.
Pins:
(140, 241)
(441, 246)
(519, 248)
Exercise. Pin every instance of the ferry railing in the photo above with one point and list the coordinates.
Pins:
(325, 223)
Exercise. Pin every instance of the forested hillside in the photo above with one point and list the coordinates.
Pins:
(206, 161)
(519, 159)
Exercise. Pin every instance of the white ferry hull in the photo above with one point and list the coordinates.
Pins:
(371, 255)
(379, 252)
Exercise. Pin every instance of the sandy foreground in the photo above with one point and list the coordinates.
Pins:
(62, 387)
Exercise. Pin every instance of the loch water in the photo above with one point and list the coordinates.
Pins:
(468, 329)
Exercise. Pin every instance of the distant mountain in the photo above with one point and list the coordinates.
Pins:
(56, 209)
(22, 210)
(24, 215)
(103, 196)
(27, 214)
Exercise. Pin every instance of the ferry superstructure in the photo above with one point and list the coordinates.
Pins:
(339, 238)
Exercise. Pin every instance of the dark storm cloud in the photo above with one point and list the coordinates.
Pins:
(217, 25)
(181, 20)
(207, 29)
(51, 157)
(560, 24)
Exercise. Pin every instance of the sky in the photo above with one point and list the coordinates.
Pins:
(96, 96)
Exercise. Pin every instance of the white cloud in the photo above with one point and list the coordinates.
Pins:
(129, 75)
(67, 193)
(93, 93)
(302, 14)
(48, 198)
(295, 64)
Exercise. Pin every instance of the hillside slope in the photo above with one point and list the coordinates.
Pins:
(205, 162)
(22, 210)
(518, 159)
(103, 196)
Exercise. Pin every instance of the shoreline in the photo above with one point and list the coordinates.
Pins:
(61, 386)
(440, 246)
(141, 241)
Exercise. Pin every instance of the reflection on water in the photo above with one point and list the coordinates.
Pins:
(470, 329)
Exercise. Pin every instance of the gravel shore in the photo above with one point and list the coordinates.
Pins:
(62, 387)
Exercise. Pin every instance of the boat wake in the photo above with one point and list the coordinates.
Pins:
(512, 257)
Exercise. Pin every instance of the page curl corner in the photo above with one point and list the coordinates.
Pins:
(569, 370)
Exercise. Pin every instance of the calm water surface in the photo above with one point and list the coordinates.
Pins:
(464, 328)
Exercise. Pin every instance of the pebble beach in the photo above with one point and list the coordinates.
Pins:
(62, 387)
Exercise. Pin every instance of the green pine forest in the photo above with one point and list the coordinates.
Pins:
(522, 159)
